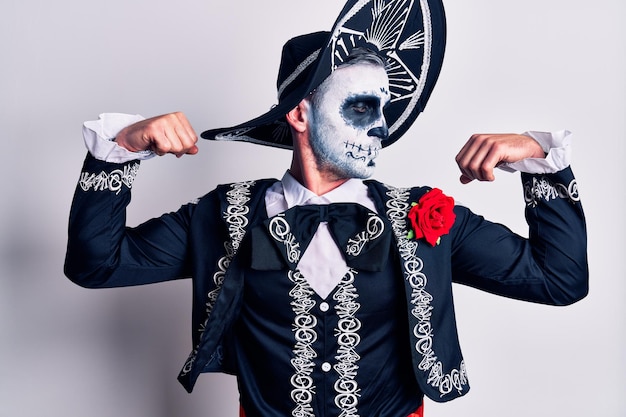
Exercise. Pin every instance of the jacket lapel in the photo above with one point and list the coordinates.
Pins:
(437, 360)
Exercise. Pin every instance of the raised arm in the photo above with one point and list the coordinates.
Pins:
(548, 267)
(102, 251)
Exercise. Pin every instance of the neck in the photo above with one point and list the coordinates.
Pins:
(307, 171)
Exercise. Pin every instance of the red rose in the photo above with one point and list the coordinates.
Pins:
(432, 217)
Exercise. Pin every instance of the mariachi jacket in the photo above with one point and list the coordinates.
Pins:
(207, 240)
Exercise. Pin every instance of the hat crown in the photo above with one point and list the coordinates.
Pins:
(297, 61)
(408, 34)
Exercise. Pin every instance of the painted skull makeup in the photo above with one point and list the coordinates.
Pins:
(347, 123)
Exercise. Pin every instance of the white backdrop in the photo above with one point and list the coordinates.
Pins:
(510, 66)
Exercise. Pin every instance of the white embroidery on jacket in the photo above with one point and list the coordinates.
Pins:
(374, 229)
(397, 208)
(236, 217)
(543, 189)
(303, 325)
(281, 231)
(112, 181)
(347, 333)
(305, 335)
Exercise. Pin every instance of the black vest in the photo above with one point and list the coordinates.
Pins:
(299, 354)
(437, 362)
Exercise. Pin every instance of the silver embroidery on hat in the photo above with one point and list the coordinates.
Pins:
(299, 69)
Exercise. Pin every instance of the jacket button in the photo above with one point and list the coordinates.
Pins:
(326, 367)
(324, 307)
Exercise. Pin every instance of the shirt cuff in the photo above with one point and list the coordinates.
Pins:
(99, 135)
(556, 145)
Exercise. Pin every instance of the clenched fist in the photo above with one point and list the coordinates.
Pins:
(168, 133)
(484, 152)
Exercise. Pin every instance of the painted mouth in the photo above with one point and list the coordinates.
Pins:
(353, 156)
(361, 153)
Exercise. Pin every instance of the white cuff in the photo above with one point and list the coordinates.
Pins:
(99, 134)
(557, 146)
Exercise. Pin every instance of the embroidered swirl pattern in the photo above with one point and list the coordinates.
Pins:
(281, 231)
(305, 332)
(305, 335)
(347, 333)
(397, 208)
(303, 325)
(543, 189)
(374, 228)
(112, 181)
(304, 328)
(236, 217)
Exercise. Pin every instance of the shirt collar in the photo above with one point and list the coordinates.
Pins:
(351, 191)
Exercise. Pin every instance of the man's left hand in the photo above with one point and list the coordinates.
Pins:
(484, 152)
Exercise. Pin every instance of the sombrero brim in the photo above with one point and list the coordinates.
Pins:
(409, 34)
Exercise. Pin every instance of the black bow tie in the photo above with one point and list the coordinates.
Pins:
(361, 234)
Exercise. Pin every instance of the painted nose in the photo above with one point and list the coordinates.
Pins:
(381, 132)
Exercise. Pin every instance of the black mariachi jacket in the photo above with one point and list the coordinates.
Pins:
(207, 241)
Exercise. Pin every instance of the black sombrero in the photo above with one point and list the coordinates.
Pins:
(409, 35)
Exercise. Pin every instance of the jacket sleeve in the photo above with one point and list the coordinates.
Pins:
(102, 251)
(549, 267)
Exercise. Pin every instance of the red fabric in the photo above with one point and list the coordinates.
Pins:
(418, 413)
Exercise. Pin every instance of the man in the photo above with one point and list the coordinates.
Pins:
(326, 294)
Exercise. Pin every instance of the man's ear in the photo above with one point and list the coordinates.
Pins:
(298, 117)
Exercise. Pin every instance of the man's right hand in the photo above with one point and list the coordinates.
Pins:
(168, 133)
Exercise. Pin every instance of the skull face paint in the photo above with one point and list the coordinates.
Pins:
(347, 124)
